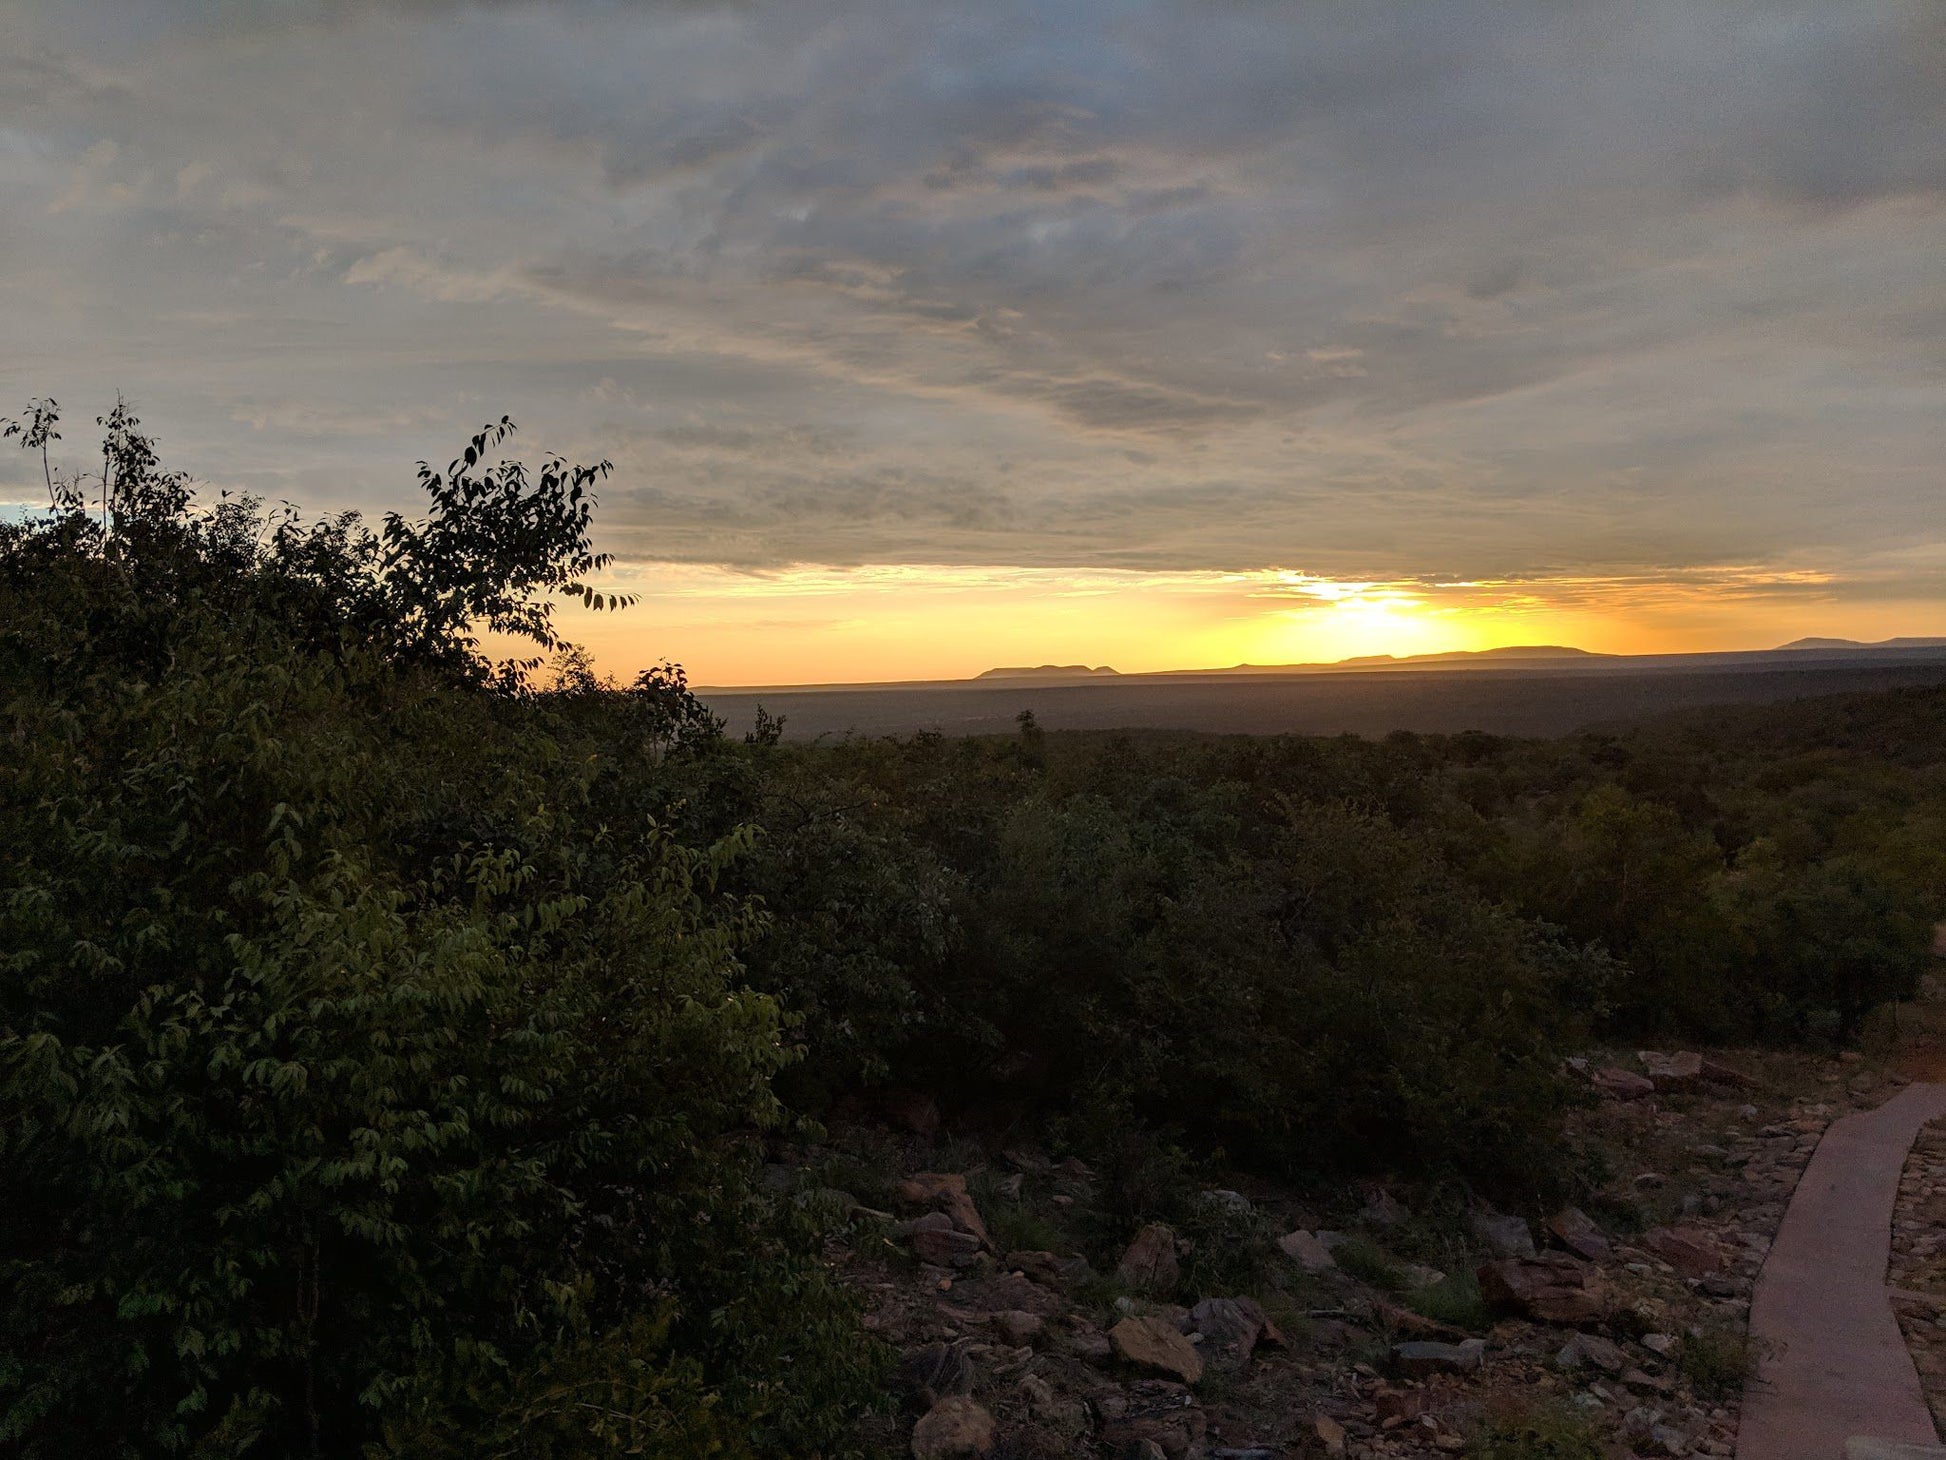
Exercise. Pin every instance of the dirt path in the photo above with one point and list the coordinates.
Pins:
(1834, 1364)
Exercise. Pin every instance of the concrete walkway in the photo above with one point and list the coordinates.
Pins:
(1832, 1364)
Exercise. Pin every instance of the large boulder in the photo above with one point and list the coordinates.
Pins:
(1150, 1264)
(1151, 1343)
(953, 1428)
(1550, 1288)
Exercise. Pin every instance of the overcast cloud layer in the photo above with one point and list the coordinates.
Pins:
(1455, 290)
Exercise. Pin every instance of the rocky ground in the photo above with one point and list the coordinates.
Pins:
(1386, 1322)
(1918, 1267)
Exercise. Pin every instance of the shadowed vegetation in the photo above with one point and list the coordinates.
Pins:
(390, 1036)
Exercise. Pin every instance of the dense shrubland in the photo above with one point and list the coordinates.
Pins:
(390, 1038)
(364, 1080)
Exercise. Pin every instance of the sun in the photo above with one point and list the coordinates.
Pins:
(1322, 620)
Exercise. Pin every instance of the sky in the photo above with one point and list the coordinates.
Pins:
(928, 336)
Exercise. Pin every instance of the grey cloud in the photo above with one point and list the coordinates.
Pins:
(1462, 287)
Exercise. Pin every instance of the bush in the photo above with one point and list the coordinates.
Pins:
(360, 1084)
(1455, 1300)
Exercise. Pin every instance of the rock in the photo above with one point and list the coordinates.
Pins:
(1672, 1071)
(1418, 1359)
(1384, 1211)
(1504, 1236)
(929, 1374)
(1406, 1321)
(1397, 1406)
(1162, 1413)
(1418, 1275)
(1668, 1439)
(1144, 1448)
(1232, 1326)
(1641, 1380)
(1589, 1348)
(1150, 1343)
(936, 1240)
(955, 1426)
(1306, 1251)
(1718, 1073)
(1637, 1423)
(1085, 1342)
(1150, 1262)
(1065, 1415)
(1575, 1230)
(1550, 1288)
(1330, 1434)
(1015, 1326)
(1663, 1344)
(944, 1193)
(1620, 1084)
(1689, 1250)
(1045, 1267)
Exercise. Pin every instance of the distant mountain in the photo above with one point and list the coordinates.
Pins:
(1048, 671)
(1511, 651)
(1450, 656)
(1907, 642)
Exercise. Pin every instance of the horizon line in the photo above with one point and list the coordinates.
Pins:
(1046, 673)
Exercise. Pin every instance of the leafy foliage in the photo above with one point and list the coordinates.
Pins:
(361, 1083)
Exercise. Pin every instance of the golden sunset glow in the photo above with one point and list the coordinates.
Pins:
(808, 625)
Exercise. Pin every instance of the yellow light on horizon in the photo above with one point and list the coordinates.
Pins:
(814, 623)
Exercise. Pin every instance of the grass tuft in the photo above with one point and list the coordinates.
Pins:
(1371, 1263)
(1453, 1300)
(1716, 1361)
(1545, 1430)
